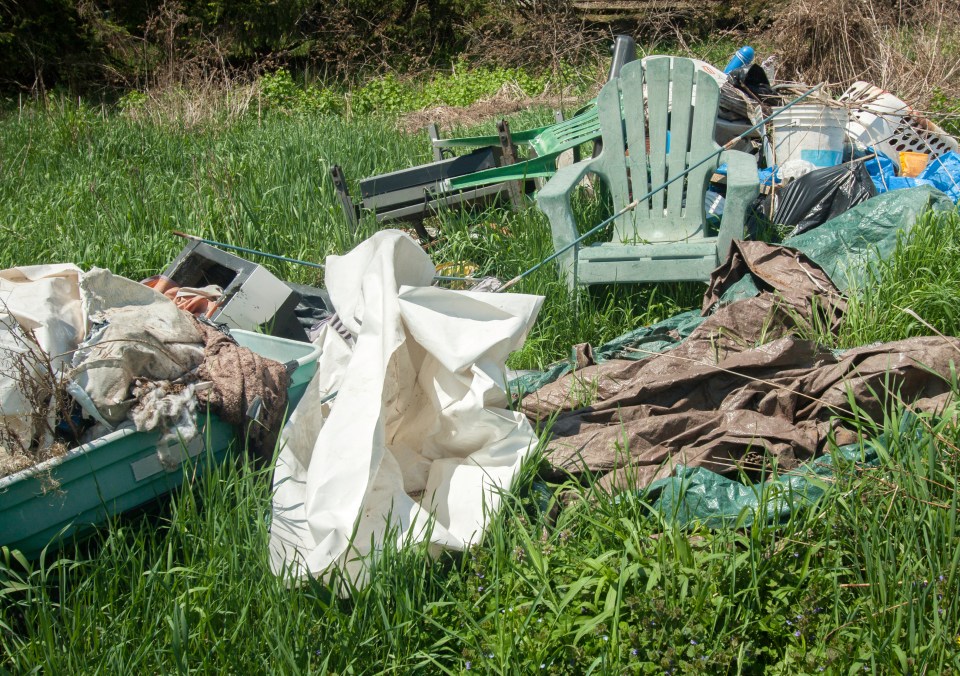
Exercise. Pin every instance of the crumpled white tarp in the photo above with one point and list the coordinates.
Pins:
(419, 426)
(44, 300)
(136, 332)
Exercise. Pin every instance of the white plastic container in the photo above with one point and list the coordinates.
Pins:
(809, 133)
(880, 119)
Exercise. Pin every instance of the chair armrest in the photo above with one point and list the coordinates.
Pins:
(561, 185)
(554, 200)
(743, 186)
(537, 167)
(522, 137)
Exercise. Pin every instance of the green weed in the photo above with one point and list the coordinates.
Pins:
(863, 581)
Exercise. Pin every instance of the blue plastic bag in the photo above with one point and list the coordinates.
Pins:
(944, 173)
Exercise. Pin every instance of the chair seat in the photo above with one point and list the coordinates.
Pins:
(610, 251)
(642, 270)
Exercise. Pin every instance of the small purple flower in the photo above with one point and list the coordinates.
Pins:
(941, 578)
(469, 665)
(634, 652)
(789, 623)
(480, 588)
(797, 633)
(693, 642)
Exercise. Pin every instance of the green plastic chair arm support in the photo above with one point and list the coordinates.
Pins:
(743, 186)
(518, 137)
(554, 201)
(537, 167)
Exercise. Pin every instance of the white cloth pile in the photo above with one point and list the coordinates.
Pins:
(408, 423)
(103, 334)
(38, 303)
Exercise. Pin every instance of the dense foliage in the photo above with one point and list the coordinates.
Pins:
(85, 43)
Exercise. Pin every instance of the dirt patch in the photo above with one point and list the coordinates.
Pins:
(507, 101)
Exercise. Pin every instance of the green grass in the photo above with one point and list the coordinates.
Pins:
(865, 581)
(922, 275)
(80, 186)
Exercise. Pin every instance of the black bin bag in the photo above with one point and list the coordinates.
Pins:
(815, 198)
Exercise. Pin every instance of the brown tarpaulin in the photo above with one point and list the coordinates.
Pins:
(776, 268)
(742, 392)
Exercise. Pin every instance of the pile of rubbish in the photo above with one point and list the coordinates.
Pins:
(411, 429)
(405, 428)
(83, 354)
(706, 397)
(827, 155)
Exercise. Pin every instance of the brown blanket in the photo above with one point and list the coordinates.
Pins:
(241, 376)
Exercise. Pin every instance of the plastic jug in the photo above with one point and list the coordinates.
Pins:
(743, 57)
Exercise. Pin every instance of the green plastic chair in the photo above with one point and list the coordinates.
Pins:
(666, 237)
(547, 143)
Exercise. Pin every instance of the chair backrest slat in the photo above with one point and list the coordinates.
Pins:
(701, 145)
(631, 87)
(681, 95)
(658, 110)
(611, 129)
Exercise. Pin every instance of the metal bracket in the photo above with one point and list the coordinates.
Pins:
(349, 208)
(509, 156)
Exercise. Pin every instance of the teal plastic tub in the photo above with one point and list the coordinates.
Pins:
(121, 470)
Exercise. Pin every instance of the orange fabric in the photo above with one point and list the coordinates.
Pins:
(195, 301)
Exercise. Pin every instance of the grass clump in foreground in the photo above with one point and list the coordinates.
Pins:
(864, 580)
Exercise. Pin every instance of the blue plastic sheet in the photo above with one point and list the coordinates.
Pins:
(944, 173)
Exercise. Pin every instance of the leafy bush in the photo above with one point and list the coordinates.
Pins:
(384, 95)
(279, 91)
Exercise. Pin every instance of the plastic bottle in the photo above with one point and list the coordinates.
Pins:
(743, 57)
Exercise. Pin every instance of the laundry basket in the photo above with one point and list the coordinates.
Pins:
(122, 470)
(883, 121)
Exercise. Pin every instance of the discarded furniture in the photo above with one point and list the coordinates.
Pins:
(494, 168)
(545, 148)
(545, 144)
(122, 470)
(623, 51)
(253, 299)
(415, 193)
(666, 237)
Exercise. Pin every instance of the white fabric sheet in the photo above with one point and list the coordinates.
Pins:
(43, 300)
(419, 426)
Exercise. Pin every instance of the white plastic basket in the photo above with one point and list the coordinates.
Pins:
(880, 119)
